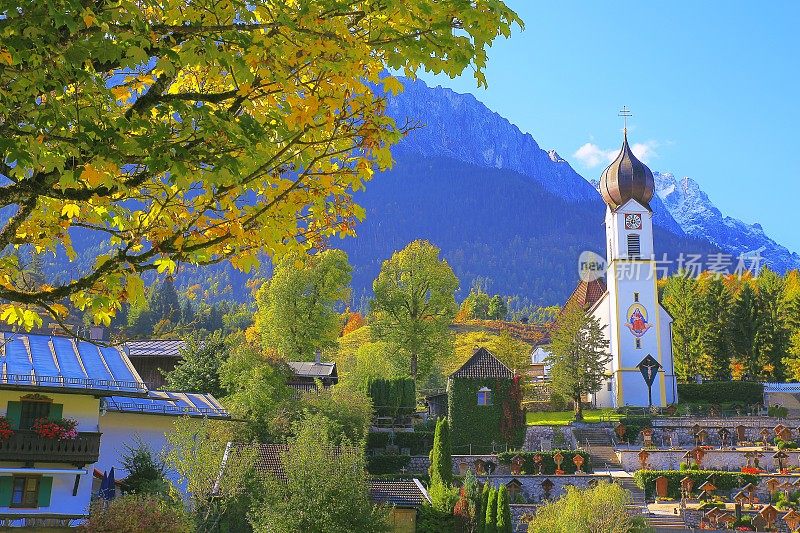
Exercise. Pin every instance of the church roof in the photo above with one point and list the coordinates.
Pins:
(587, 293)
(627, 178)
(483, 364)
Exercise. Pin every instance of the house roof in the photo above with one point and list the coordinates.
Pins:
(169, 403)
(587, 293)
(483, 364)
(154, 348)
(313, 369)
(66, 365)
(400, 493)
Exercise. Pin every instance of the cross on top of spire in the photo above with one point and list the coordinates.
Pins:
(625, 113)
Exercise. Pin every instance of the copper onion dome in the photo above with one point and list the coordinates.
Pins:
(627, 178)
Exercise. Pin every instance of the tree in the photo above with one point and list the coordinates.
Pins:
(467, 510)
(578, 356)
(200, 364)
(144, 471)
(484, 508)
(593, 510)
(715, 308)
(742, 329)
(441, 469)
(414, 305)
(680, 298)
(173, 132)
(133, 513)
(348, 413)
(325, 491)
(490, 522)
(196, 451)
(772, 336)
(503, 511)
(297, 306)
(497, 308)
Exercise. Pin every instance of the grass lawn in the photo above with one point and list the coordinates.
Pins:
(562, 418)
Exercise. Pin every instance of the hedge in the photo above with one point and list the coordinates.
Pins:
(633, 426)
(387, 464)
(724, 481)
(377, 439)
(743, 392)
(548, 464)
(393, 397)
(418, 442)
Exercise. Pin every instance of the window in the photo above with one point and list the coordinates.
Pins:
(32, 411)
(634, 249)
(25, 491)
(638, 343)
(609, 385)
(636, 297)
(485, 396)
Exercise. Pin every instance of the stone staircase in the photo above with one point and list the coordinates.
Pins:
(665, 523)
(598, 443)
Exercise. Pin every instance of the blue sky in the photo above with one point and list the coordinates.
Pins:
(714, 88)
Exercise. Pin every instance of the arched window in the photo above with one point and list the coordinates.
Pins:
(485, 396)
(634, 248)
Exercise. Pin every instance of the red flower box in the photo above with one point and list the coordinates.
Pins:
(64, 429)
(5, 429)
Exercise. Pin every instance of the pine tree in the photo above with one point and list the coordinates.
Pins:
(772, 335)
(484, 506)
(441, 469)
(715, 307)
(497, 308)
(578, 356)
(681, 301)
(490, 523)
(503, 510)
(742, 329)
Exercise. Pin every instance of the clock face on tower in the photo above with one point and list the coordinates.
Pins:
(633, 221)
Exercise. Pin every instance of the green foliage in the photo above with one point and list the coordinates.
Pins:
(504, 524)
(548, 464)
(133, 513)
(432, 520)
(199, 367)
(419, 442)
(258, 391)
(601, 508)
(414, 305)
(746, 392)
(479, 425)
(145, 472)
(724, 481)
(387, 464)
(578, 356)
(393, 397)
(296, 306)
(196, 451)
(441, 468)
(483, 508)
(326, 488)
(634, 425)
(777, 411)
(490, 520)
(498, 309)
(348, 413)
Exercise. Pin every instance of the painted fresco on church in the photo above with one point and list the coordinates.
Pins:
(637, 321)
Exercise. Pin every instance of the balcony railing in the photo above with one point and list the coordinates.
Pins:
(27, 446)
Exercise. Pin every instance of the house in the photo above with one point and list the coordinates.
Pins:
(405, 496)
(305, 375)
(47, 384)
(152, 356)
(44, 378)
(126, 421)
(483, 405)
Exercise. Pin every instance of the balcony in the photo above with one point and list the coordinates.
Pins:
(27, 446)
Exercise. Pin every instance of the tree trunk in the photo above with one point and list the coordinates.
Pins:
(578, 408)
(414, 366)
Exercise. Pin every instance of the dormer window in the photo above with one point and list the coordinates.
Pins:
(485, 396)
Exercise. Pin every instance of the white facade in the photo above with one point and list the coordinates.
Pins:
(635, 323)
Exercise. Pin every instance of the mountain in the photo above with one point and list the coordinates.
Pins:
(699, 217)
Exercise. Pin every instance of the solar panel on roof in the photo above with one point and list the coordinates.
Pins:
(115, 363)
(67, 359)
(17, 361)
(43, 362)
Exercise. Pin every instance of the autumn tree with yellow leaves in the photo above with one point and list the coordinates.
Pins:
(204, 131)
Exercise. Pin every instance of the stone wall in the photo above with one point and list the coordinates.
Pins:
(518, 511)
(533, 491)
(420, 463)
(545, 438)
(730, 460)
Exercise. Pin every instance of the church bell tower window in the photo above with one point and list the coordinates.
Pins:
(634, 248)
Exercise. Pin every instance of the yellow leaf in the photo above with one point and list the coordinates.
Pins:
(392, 85)
(120, 92)
(91, 175)
(165, 264)
(5, 57)
(70, 210)
(88, 19)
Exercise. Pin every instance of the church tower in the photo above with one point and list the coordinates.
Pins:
(637, 325)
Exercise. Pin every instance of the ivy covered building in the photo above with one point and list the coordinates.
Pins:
(484, 405)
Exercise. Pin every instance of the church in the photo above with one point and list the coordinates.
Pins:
(636, 325)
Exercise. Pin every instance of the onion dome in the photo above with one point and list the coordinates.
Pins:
(627, 178)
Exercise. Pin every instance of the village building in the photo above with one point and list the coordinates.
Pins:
(154, 357)
(305, 375)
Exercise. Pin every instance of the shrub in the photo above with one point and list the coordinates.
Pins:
(725, 481)
(722, 391)
(377, 439)
(419, 442)
(602, 508)
(393, 397)
(387, 464)
(548, 464)
(777, 411)
(145, 471)
(634, 425)
(133, 513)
